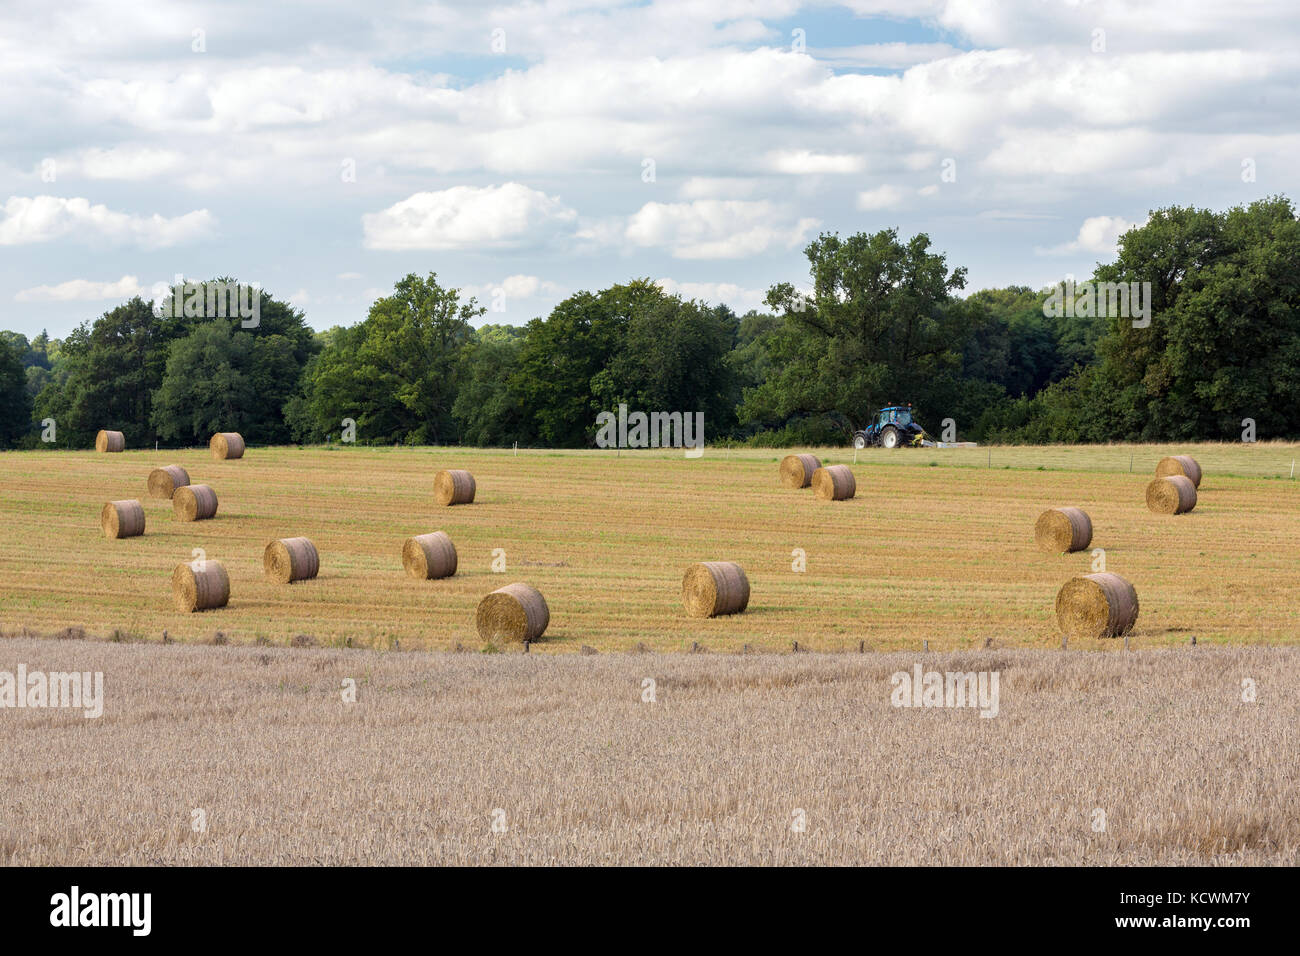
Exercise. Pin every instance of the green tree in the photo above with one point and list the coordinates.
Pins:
(1224, 339)
(112, 368)
(880, 326)
(397, 373)
(15, 404)
(631, 343)
(207, 386)
(229, 374)
(672, 357)
(562, 355)
(489, 410)
(1223, 343)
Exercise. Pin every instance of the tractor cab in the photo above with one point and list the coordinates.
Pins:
(895, 415)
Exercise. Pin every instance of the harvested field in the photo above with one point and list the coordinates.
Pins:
(938, 552)
(712, 772)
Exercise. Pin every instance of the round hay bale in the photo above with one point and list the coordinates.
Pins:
(797, 470)
(1172, 495)
(1184, 465)
(200, 586)
(290, 559)
(711, 588)
(164, 481)
(429, 556)
(516, 612)
(107, 441)
(834, 483)
(454, 487)
(194, 503)
(225, 445)
(1096, 605)
(1063, 530)
(122, 519)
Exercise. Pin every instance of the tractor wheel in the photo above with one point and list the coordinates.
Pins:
(889, 438)
(859, 440)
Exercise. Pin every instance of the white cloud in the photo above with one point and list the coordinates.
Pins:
(738, 297)
(1161, 23)
(883, 197)
(888, 56)
(716, 229)
(153, 102)
(468, 217)
(348, 275)
(804, 162)
(82, 290)
(523, 287)
(1039, 152)
(1037, 123)
(1099, 234)
(25, 220)
(718, 187)
(1013, 215)
(131, 163)
(514, 287)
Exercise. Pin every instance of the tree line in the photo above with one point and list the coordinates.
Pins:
(884, 321)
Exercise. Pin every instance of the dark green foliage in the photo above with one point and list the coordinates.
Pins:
(1223, 344)
(15, 403)
(881, 326)
(884, 324)
(396, 374)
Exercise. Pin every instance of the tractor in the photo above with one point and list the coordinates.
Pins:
(894, 426)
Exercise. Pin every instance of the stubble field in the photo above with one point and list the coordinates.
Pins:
(937, 546)
(246, 755)
(256, 753)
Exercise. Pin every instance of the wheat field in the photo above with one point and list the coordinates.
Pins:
(937, 546)
(246, 755)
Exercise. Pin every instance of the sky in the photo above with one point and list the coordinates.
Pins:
(526, 151)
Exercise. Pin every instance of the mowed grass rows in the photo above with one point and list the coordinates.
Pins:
(935, 546)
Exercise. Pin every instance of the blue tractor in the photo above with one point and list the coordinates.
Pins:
(894, 426)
